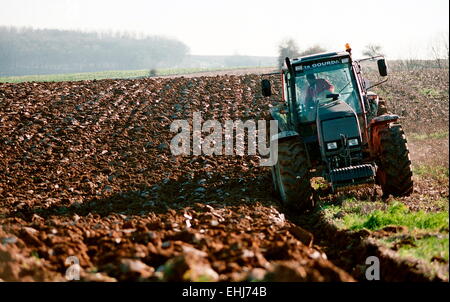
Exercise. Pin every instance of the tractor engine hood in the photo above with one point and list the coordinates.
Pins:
(336, 122)
(336, 109)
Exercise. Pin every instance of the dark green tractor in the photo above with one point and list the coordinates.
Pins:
(330, 125)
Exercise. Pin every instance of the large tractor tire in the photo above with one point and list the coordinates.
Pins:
(291, 175)
(394, 173)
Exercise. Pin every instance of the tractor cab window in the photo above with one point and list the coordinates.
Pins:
(313, 86)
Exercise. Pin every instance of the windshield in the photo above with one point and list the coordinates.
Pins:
(314, 85)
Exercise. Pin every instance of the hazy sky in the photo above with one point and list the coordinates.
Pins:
(405, 28)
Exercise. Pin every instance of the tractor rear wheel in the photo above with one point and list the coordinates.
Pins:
(291, 175)
(394, 173)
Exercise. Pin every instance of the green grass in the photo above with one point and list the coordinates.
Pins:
(318, 183)
(357, 215)
(438, 173)
(396, 214)
(442, 203)
(421, 247)
(430, 92)
(435, 135)
(427, 248)
(425, 236)
(115, 74)
(348, 206)
(75, 76)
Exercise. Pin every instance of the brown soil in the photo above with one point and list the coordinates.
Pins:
(86, 171)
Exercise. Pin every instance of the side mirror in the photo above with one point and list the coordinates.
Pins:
(266, 88)
(382, 68)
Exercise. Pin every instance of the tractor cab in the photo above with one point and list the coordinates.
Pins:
(325, 104)
(318, 82)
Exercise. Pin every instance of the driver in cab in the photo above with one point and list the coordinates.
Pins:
(318, 88)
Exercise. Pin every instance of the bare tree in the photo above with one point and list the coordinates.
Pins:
(373, 50)
(445, 40)
(445, 50)
(439, 49)
(287, 48)
(313, 50)
(436, 53)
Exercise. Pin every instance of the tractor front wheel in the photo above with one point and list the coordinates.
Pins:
(394, 173)
(291, 175)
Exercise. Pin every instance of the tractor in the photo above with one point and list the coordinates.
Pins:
(330, 125)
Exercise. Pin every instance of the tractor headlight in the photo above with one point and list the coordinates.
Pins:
(332, 146)
(353, 142)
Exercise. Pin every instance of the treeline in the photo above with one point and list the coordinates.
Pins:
(202, 61)
(46, 51)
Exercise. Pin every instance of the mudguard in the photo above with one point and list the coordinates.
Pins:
(383, 119)
(376, 124)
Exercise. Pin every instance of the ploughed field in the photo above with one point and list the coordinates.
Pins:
(86, 170)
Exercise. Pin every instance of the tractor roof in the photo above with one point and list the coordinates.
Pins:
(319, 56)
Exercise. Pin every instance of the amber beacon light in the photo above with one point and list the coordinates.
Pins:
(348, 48)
